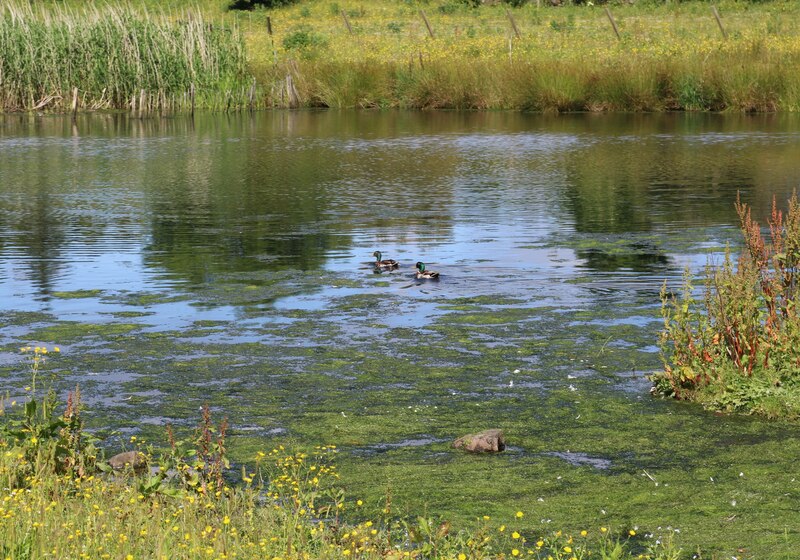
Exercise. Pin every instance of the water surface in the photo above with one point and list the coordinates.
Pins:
(226, 259)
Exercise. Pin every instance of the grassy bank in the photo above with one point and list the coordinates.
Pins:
(738, 349)
(667, 56)
(60, 499)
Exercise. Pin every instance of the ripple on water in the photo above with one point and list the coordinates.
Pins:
(581, 459)
(377, 448)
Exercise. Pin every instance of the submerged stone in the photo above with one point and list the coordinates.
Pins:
(487, 441)
(129, 459)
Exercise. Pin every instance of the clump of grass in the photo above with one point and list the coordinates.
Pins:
(739, 349)
(117, 59)
(284, 505)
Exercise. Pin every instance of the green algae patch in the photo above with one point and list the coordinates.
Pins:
(24, 318)
(492, 317)
(557, 483)
(209, 324)
(77, 294)
(394, 400)
(144, 299)
(377, 303)
(72, 331)
(266, 287)
(131, 314)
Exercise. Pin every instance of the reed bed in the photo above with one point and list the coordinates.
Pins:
(66, 59)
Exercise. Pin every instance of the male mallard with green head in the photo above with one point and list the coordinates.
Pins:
(422, 273)
(384, 264)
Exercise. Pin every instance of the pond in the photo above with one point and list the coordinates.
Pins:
(227, 259)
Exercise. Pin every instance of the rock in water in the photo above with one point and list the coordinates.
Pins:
(128, 460)
(487, 441)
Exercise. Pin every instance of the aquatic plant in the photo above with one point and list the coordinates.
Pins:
(739, 350)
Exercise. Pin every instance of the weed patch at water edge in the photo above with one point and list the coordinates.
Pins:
(738, 350)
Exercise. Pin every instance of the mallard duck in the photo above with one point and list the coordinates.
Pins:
(422, 273)
(384, 264)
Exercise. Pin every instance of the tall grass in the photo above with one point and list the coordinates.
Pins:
(730, 83)
(117, 59)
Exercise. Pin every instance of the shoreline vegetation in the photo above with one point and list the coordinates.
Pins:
(737, 349)
(64, 59)
(61, 499)
(166, 58)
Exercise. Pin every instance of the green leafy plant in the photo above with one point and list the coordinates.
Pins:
(42, 440)
(740, 347)
(195, 465)
(202, 461)
(303, 39)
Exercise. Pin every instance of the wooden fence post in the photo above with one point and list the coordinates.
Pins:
(291, 92)
(292, 95)
(719, 21)
(613, 23)
(347, 22)
(272, 40)
(427, 23)
(513, 24)
(251, 96)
